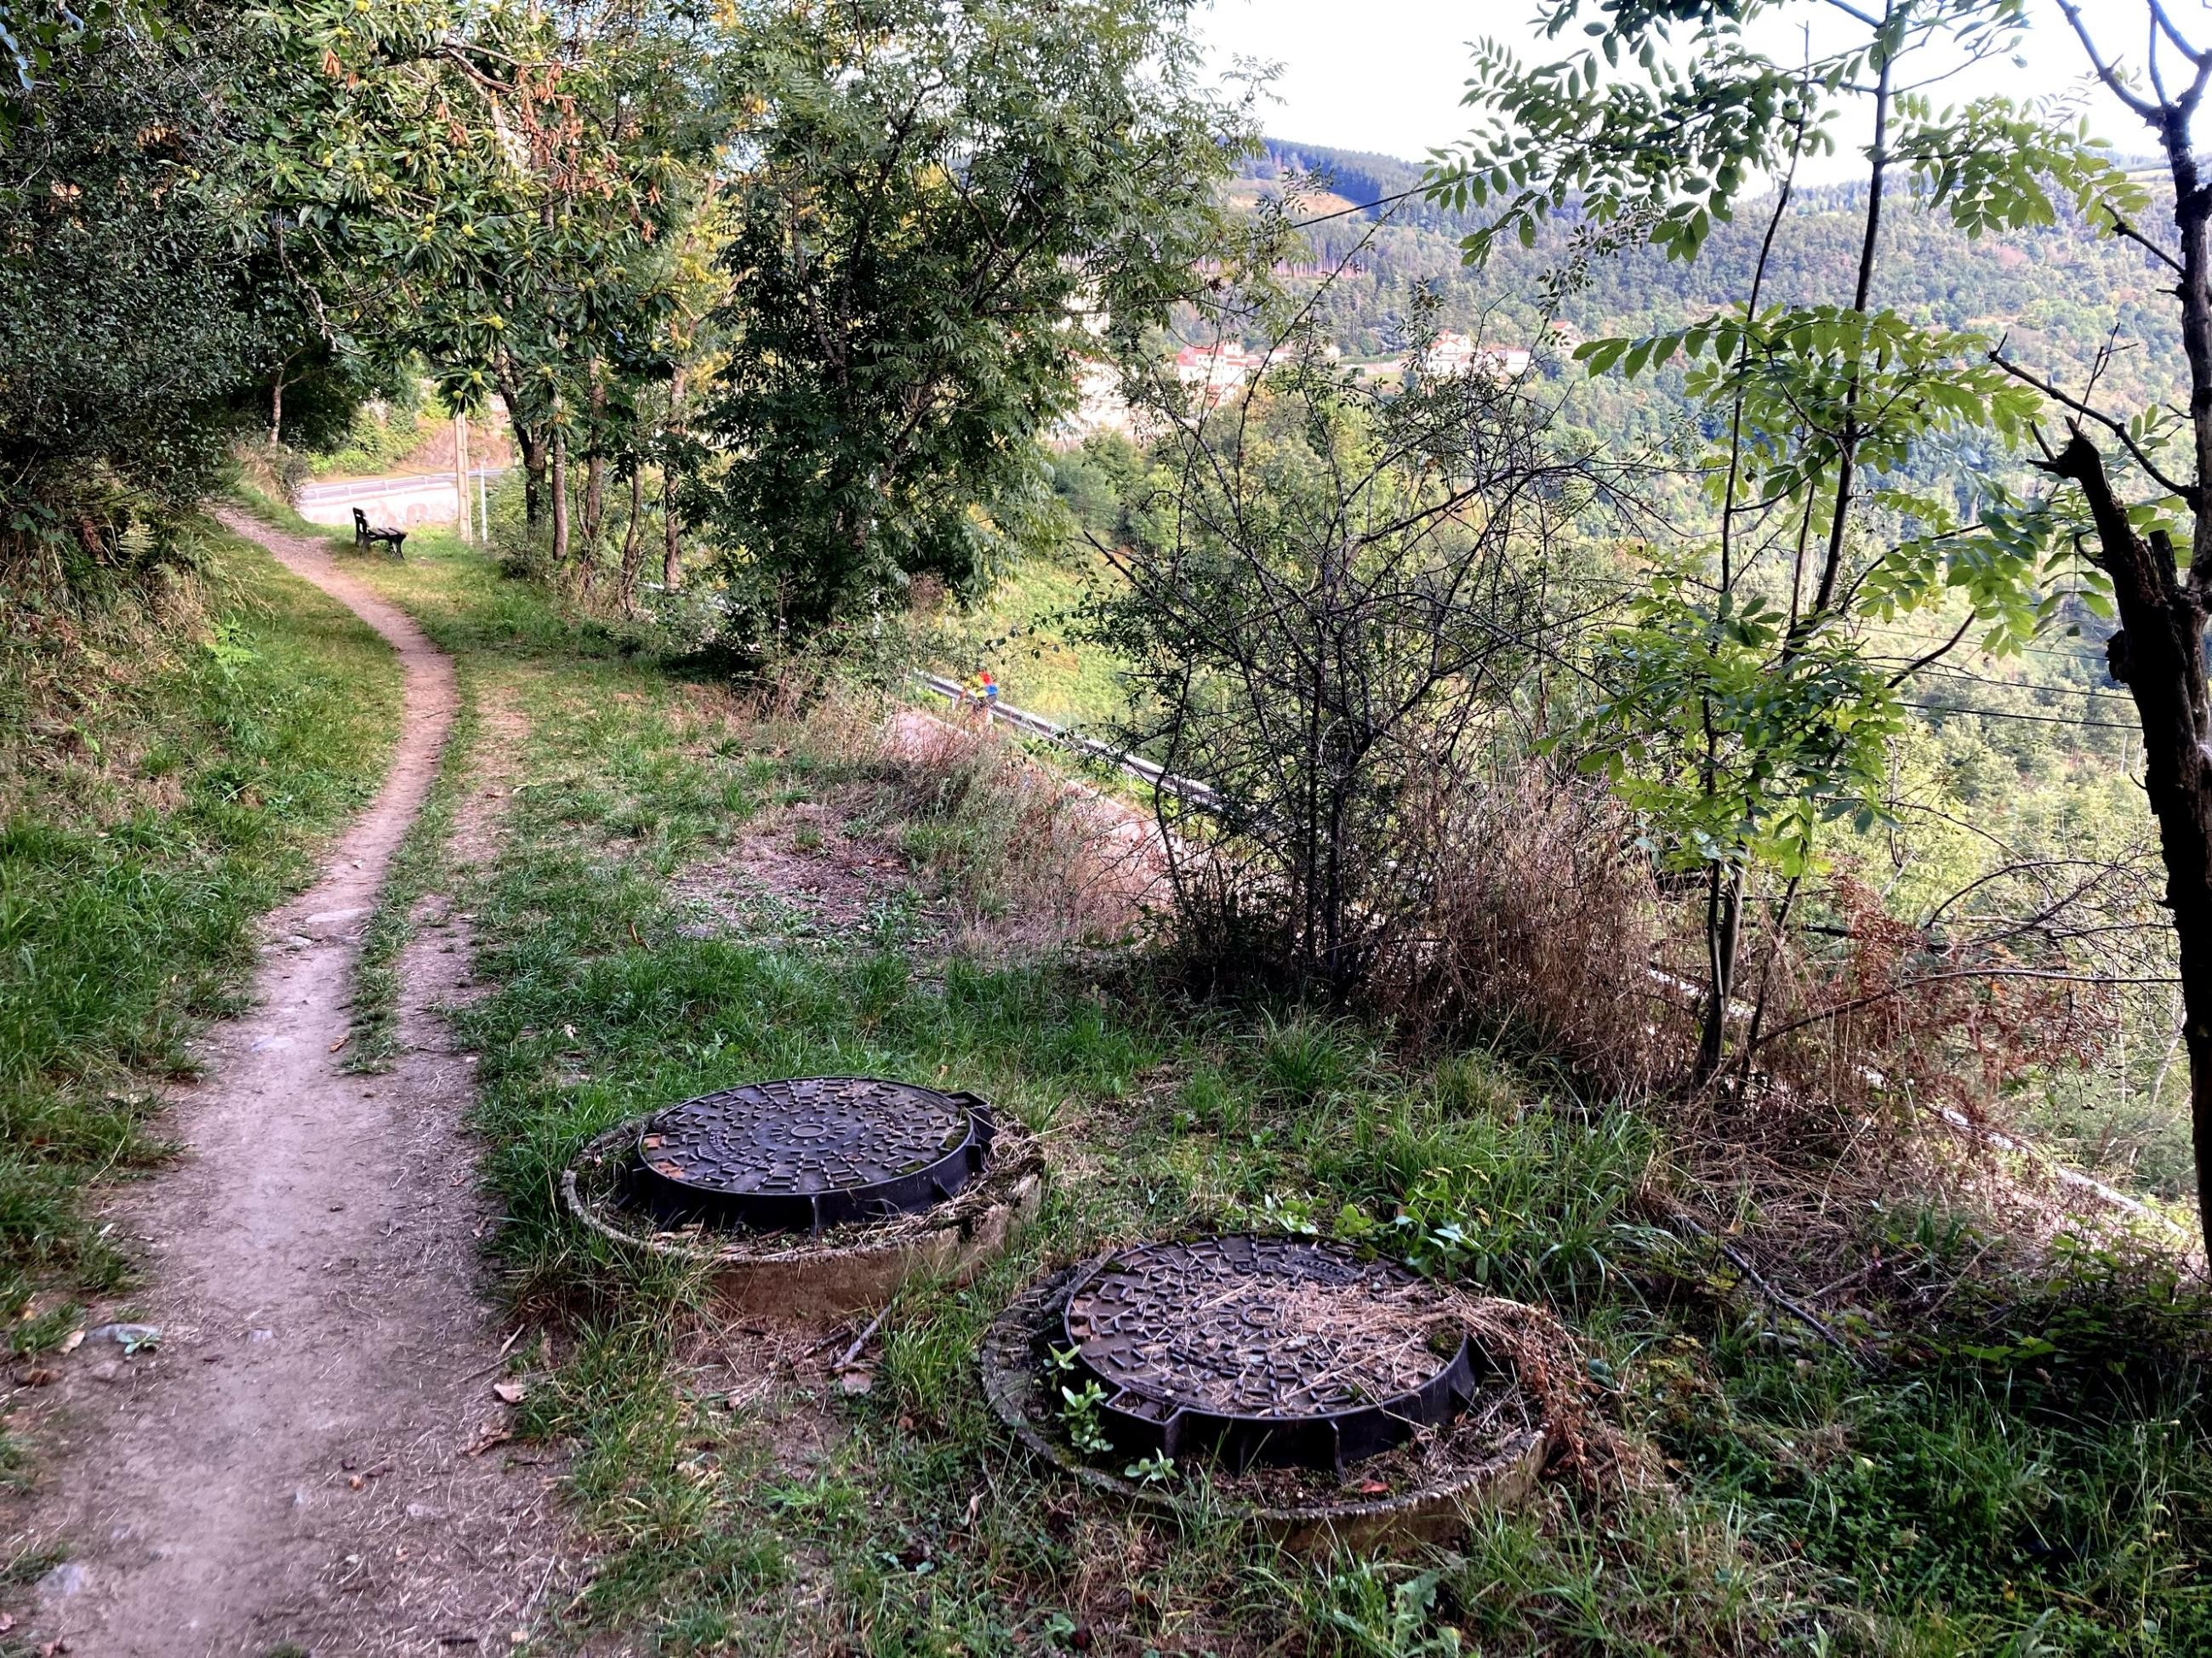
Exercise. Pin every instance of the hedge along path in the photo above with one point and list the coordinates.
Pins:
(310, 1455)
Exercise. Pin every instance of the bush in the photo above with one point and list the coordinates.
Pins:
(1337, 607)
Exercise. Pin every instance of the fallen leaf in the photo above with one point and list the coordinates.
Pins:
(355, 1481)
(1372, 1488)
(488, 1438)
(38, 1376)
(511, 1390)
(7, 1623)
(341, 1041)
(856, 1380)
(71, 1342)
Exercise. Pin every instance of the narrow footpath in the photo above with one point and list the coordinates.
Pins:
(312, 1459)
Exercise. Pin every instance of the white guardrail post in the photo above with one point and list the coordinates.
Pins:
(1199, 795)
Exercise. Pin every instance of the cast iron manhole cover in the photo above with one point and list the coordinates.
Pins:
(1265, 1350)
(813, 1153)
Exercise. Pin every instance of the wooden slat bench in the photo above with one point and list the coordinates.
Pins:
(367, 535)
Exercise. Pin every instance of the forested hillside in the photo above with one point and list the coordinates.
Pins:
(2061, 295)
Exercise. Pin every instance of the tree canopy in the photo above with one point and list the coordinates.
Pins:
(937, 209)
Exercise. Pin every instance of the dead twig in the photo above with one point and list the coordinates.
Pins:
(852, 1354)
(1795, 1308)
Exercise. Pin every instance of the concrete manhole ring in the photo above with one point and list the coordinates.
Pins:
(847, 1268)
(1492, 1457)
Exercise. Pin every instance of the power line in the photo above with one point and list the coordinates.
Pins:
(2086, 652)
(2029, 718)
(1364, 207)
(1940, 672)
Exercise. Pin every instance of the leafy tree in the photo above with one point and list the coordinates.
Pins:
(933, 199)
(493, 188)
(134, 304)
(1746, 707)
(37, 39)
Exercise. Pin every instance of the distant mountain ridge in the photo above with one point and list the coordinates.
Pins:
(1361, 176)
(2058, 293)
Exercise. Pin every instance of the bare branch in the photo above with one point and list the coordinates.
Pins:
(1939, 652)
(2189, 492)
(2122, 227)
(2106, 71)
(2165, 26)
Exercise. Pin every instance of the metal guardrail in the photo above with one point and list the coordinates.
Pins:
(376, 488)
(1185, 788)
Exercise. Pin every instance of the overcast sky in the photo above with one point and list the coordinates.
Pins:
(1387, 75)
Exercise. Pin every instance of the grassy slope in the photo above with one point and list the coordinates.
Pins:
(2026, 1470)
(135, 856)
(1021, 635)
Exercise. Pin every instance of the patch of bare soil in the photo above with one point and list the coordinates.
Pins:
(1070, 864)
(310, 1455)
(812, 869)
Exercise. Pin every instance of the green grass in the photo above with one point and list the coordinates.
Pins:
(419, 868)
(2013, 1464)
(135, 857)
(1022, 633)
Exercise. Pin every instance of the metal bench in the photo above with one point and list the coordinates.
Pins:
(367, 535)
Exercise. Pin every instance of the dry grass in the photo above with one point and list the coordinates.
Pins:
(1551, 1368)
(1028, 859)
(1540, 917)
(1022, 843)
(65, 664)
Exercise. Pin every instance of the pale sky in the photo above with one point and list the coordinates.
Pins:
(1387, 75)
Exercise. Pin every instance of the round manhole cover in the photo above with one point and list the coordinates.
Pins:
(1265, 1350)
(813, 1152)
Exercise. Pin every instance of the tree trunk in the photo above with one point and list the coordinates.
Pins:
(632, 553)
(1723, 927)
(2159, 654)
(1847, 447)
(529, 443)
(461, 478)
(595, 496)
(277, 409)
(672, 555)
(531, 447)
(560, 488)
(595, 471)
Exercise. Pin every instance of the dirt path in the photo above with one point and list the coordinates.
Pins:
(306, 1461)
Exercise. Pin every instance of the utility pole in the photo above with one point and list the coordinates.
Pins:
(461, 478)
